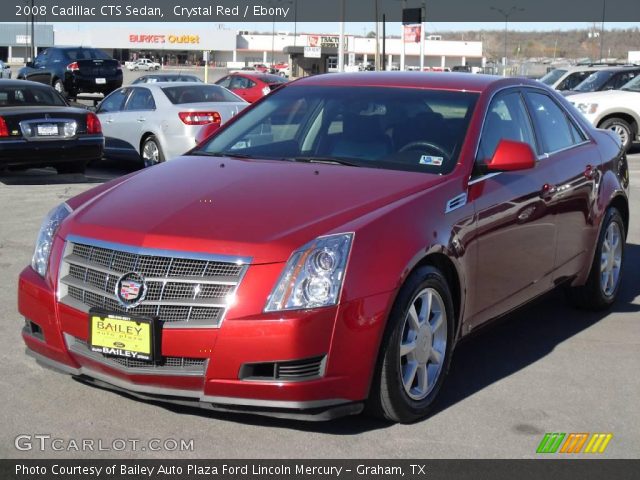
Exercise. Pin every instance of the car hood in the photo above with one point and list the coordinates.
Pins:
(610, 96)
(250, 208)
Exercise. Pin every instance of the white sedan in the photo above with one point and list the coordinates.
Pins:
(617, 110)
(143, 64)
(159, 121)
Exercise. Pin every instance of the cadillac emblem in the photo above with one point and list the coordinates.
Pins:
(131, 289)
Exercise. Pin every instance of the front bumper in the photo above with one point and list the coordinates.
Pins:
(348, 338)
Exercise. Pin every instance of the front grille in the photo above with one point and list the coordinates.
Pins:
(182, 290)
(167, 366)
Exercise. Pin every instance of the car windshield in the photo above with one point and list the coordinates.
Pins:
(199, 94)
(594, 82)
(379, 127)
(632, 85)
(85, 54)
(29, 96)
(551, 77)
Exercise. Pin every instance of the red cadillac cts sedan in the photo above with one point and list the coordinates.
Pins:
(326, 249)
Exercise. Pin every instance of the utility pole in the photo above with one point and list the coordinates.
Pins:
(604, 5)
(423, 17)
(375, 8)
(506, 14)
(33, 40)
(341, 44)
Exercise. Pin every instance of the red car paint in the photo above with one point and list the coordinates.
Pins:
(251, 86)
(508, 243)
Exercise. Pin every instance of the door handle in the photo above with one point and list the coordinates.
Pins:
(548, 191)
(141, 119)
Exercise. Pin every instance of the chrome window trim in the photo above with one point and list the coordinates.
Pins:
(484, 177)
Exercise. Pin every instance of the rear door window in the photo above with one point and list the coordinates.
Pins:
(140, 99)
(552, 124)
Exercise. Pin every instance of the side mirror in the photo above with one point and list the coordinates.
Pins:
(511, 156)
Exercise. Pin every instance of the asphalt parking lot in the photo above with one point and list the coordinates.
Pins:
(547, 368)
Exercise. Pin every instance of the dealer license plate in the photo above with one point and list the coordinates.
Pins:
(122, 335)
(101, 81)
(47, 129)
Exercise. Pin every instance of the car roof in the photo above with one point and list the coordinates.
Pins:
(19, 83)
(435, 80)
(259, 75)
(171, 84)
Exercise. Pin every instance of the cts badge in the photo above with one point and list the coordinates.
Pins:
(131, 289)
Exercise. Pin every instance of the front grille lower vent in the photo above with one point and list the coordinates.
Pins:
(288, 371)
(182, 290)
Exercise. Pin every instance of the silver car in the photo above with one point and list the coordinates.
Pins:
(159, 121)
(5, 70)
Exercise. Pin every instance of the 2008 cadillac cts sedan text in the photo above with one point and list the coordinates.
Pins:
(324, 251)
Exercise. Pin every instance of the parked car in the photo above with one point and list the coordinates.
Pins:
(616, 110)
(143, 64)
(283, 69)
(5, 70)
(461, 68)
(252, 87)
(328, 247)
(155, 122)
(72, 70)
(39, 129)
(166, 77)
(567, 78)
(605, 79)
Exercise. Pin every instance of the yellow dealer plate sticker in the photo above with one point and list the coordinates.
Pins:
(121, 336)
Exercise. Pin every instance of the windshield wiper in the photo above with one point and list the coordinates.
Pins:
(327, 160)
(220, 154)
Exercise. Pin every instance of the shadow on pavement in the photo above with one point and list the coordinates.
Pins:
(498, 351)
(97, 172)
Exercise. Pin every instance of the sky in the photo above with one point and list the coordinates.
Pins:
(360, 28)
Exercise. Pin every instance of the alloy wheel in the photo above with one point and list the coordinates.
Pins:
(150, 153)
(611, 259)
(621, 131)
(423, 343)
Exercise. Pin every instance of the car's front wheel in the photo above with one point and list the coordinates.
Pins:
(603, 283)
(621, 128)
(416, 349)
(151, 152)
(58, 85)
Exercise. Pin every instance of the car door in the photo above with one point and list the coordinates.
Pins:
(516, 233)
(134, 118)
(576, 170)
(39, 71)
(109, 112)
(244, 87)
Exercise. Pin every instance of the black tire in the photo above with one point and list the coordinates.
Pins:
(151, 139)
(388, 398)
(616, 123)
(592, 295)
(72, 167)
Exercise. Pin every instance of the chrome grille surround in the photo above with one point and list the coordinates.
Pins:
(184, 289)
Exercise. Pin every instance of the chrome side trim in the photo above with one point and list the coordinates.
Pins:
(482, 178)
(456, 202)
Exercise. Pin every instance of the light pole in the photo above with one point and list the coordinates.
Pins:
(506, 14)
(604, 5)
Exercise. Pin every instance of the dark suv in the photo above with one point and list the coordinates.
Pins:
(71, 70)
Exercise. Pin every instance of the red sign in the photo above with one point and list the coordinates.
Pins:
(412, 33)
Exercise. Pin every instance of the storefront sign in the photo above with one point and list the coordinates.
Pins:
(329, 41)
(173, 39)
(312, 52)
(412, 33)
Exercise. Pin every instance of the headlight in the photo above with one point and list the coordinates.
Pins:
(48, 230)
(587, 108)
(313, 276)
